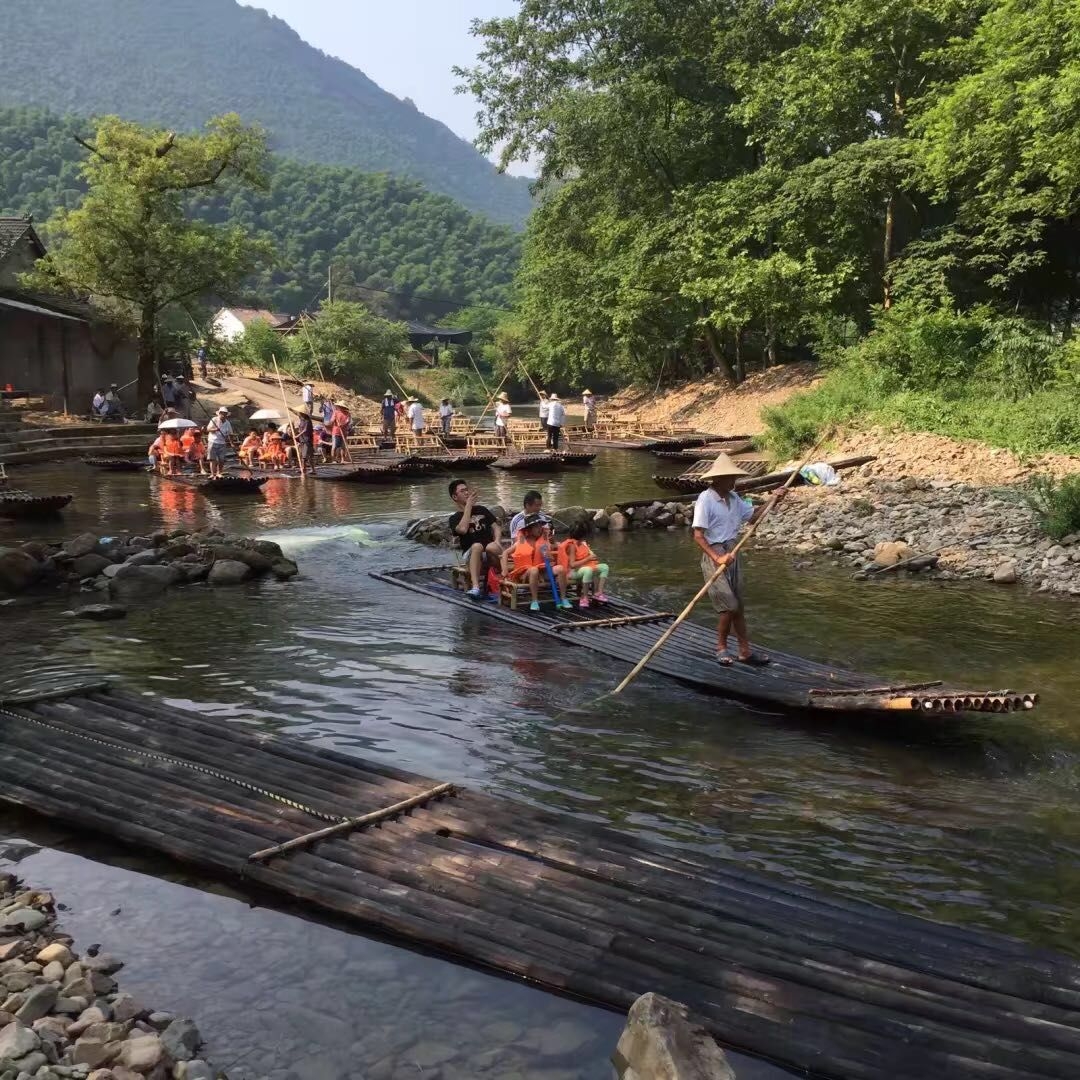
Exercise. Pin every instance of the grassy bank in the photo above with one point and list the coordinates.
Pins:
(955, 375)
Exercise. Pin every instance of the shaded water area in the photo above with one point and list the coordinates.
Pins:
(971, 820)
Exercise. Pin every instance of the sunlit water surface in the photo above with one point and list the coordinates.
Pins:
(969, 820)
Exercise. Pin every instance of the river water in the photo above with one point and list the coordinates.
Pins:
(968, 820)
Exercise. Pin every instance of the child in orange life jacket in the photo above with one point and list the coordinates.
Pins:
(525, 561)
(249, 449)
(579, 563)
(194, 448)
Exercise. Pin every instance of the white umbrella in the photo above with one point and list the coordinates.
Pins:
(178, 424)
(266, 414)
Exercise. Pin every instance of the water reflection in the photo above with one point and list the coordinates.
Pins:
(969, 820)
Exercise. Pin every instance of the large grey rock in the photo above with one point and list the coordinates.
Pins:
(80, 545)
(16, 1041)
(601, 519)
(181, 1039)
(567, 517)
(618, 522)
(267, 548)
(141, 1053)
(229, 572)
(659, 1042)
(101, 612)
(284, 569)
(146, 557)
(89, 565)
(18, 570)
(193, 1070)
(37, 1003)
(1005, 574)
(233, 553)
(22, 919)
(141, 582)
(125, 1007)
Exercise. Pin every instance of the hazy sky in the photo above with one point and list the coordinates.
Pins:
(407, 46)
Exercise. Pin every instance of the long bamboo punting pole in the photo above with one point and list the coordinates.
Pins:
(720, 570)
(491, 399)
(352, 823)
(288, 417)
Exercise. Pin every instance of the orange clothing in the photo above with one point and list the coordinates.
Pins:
(193, 445)
(252, 442)
(579, 550)
(524, 556)
(173, 445)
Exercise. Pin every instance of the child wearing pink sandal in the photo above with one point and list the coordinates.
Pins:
(581, 564)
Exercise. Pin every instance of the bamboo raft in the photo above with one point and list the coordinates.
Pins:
(21, 504)
(117, 464)
(692, 480)
(375, 472)
(709, 450)
(228, 484)
(544, 462)
(626, 631)
(820, 984)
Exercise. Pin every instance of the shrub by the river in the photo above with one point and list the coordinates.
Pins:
(1056, 504)
(1000, 380)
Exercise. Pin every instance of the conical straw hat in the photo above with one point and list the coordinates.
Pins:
(722, 466)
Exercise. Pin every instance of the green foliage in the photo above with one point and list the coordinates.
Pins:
(1057, 504)
(378, 232)
(350, 344)
(179, 63)
(132, 243)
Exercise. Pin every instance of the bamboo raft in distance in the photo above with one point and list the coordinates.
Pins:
(823, 985)
(690, 657)
(556, 462)
(227, 484)
(21, 504)
(692, 480)
(117, 464)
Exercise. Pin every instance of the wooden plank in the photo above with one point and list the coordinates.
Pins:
(622, 620)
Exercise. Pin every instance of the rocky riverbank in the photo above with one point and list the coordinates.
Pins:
(938, 527)
(127, 569)
(62, 1015)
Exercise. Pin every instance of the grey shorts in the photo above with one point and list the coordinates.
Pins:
(726, 591)
(216, 451)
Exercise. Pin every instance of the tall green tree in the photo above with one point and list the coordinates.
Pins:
(133, 243)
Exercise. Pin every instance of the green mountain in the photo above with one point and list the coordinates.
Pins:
(380, 232)
(179, 62)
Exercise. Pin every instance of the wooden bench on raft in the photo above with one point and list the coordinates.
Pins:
(419, 445)
(512, 594)
(365, 444)
(462, 426)
(485, 444)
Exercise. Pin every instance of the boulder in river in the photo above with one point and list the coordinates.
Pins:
(18, 570)
(1005, 574)
(618, 522)
(229, 572)
(569, 517)
(141, 582)
(891, 552)
(100, 612)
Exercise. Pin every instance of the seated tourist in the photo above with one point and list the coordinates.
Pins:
(155, 454)
(250, 448)
(194, 448)
(274, 450)
(97, 406)
(529, 559)
(323, 442)
(114, 407)
(174, 453)
(579, 562)
(533, 503)
(477, 533)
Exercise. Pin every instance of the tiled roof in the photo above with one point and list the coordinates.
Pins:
(249, 315)
(12, 230)
(65, 305)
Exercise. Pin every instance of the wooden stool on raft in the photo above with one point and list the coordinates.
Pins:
(513, 593)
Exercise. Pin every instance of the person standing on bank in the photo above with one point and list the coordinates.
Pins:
(307, 396)
(545, 410)
(719, 516)
(388, 413)
(589, 402)
(478, 535)
(415, 412)
(556, 419)
(446, 416)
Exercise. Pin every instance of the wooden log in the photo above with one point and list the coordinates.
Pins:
(353, 823)
(623, 620)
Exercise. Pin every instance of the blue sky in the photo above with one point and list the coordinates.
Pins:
(407, 46)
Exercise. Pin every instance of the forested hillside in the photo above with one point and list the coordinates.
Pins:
(179, 62)
(379, 231)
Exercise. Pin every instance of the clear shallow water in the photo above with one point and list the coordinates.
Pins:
(973, 820)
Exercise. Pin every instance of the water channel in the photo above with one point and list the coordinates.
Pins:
(968, 820)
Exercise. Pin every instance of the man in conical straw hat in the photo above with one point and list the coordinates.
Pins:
(720, 514)
(503, 412)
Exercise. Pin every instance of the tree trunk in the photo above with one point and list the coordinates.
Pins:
(716, 351)
(147, 371)
(770, 344)
(740, 364)
(886, 270)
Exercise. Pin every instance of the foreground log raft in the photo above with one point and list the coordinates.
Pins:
(627, 631)
(824, 985)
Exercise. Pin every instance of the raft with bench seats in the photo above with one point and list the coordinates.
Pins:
(626, 631)
(544, 462)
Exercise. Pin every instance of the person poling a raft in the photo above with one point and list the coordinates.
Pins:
(720, 514)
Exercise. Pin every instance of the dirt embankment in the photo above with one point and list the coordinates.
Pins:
(712, 406)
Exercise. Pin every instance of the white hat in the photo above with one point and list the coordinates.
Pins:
(223, 410)
(553, 397)
(723, 466)
(504, 396)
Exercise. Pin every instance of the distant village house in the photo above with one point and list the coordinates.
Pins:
(231, 322)
(54, 347)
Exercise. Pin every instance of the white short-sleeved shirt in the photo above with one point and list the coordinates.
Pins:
(556, 414)
(721, 518)
(544, 406)
(446, 410)
(502, 413)
(416, 415)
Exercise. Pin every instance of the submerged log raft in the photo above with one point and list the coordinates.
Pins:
(228, 484)
(690, 657)
(733, 445)
(117, 464)
(544, 462)
(22, 504)
(823, 985)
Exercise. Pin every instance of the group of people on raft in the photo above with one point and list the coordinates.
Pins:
(720, 515)
(530, 556)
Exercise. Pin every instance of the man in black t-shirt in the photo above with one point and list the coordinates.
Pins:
(477, 534)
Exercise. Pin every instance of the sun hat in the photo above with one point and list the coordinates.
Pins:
(722, 466)
(532, 520)
(504, 396)
(388, 393)
(553, 397)
(589, 392)
(222, 409)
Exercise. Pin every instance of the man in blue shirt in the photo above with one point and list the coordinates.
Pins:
(719, 516)
(388, 412)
